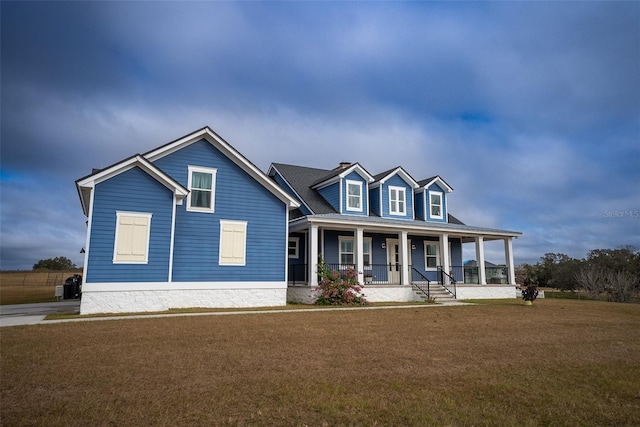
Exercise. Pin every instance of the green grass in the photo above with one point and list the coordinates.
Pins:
(26, 294)
(558, 362)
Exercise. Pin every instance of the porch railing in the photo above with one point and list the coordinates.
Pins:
(420, 281)
(375, 274)
(298, 274)
(447, 281)
(470, 275)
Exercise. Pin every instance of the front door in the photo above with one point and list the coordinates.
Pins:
(393, 262)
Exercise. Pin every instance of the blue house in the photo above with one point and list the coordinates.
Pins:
(395, 231)
(190, 224)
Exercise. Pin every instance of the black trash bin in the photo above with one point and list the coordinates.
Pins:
(72, 287)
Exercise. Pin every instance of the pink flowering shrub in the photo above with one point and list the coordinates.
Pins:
(338, 287)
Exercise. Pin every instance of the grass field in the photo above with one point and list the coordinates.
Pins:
(26, 294)
(558, 362)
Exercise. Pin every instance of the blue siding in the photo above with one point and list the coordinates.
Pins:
(281, 182)
(331, 194)
(419, 204)
(237, 197)
(135, 191)
(353, 176)
(374, 200)
(436, 187)
(396, 181)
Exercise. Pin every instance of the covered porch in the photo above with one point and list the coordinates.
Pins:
(396, 255)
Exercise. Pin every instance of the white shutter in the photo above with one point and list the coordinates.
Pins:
(132, 237)
(233, 239)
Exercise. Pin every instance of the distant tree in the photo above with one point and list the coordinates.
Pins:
(625, 258)
(592, 279)
(57, 263)
(557, 270)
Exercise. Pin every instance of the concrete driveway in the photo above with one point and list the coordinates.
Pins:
(30, 314)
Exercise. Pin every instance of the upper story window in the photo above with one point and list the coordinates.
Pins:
(397, 201)
(354, 196)
(435, 204)
(202, 189)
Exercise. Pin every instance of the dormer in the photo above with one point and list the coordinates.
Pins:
(392, 194)
(346, 189)
(431, 199)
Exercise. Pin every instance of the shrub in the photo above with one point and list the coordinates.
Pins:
(338, 287)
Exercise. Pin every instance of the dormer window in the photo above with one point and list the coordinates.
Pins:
(397, 201)
(435, 204)
(354, 196)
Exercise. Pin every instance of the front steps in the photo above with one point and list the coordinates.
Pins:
(436, 291)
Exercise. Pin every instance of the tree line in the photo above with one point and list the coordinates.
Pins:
(611, 272)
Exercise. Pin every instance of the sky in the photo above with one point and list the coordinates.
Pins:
(529, 110)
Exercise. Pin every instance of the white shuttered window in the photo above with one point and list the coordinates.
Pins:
(131, 245)
(233, 242)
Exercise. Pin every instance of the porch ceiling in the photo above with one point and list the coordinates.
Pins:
(467, 233)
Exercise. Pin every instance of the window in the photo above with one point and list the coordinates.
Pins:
(293, 247)
(366, 252)
(435, 202)
(202, 189)
(354, 196)
(131, 245)
(397, 200)
(233, 242)
(347, 253)
(431, 255)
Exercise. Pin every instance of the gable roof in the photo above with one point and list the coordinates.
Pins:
(336, 174)
(301, 179)
(384, 176)
(85, 184)
(228, 150)
(435, 180)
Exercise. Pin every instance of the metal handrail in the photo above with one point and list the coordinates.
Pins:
(419, 286)
(451, 279)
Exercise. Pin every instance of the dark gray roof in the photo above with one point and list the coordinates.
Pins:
(379, 176)
(301, 180)
(425, 181)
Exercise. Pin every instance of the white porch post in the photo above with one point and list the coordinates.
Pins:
(404, 258)
(508, 255)
(444, 253)
(359, 241)
(482, 274)
(313, 255)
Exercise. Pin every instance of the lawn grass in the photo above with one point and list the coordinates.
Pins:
(25, 294)
(558, 362)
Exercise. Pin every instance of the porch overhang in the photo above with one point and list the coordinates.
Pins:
(348, 222)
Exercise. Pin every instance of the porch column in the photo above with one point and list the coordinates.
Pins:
(482, 274)
(313, 255)
(508, 255)
(404, 259)
(359, 239)
(444, 251)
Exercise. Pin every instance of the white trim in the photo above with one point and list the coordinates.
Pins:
(398, 190)
(353, 252)
(136, 161)
(223, 146)
(213, 172)
(172, 242)
(297, 242)
(441, 183)
(166, 286)
(360, 186)
(120, 214)
(403, 175)
(437, 245)
(242, 262)
(89, 225)
(370, 241)
(272, 167)
(439, 193)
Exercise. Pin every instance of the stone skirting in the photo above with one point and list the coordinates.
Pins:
(162, 300)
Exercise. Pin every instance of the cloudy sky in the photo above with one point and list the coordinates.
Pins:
(529, 110)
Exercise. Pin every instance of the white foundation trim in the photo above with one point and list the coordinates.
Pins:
(179, 286)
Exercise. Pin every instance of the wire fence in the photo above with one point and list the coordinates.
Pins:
(36, 278)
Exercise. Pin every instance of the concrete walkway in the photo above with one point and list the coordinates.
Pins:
(31, 314)
(30, 319)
